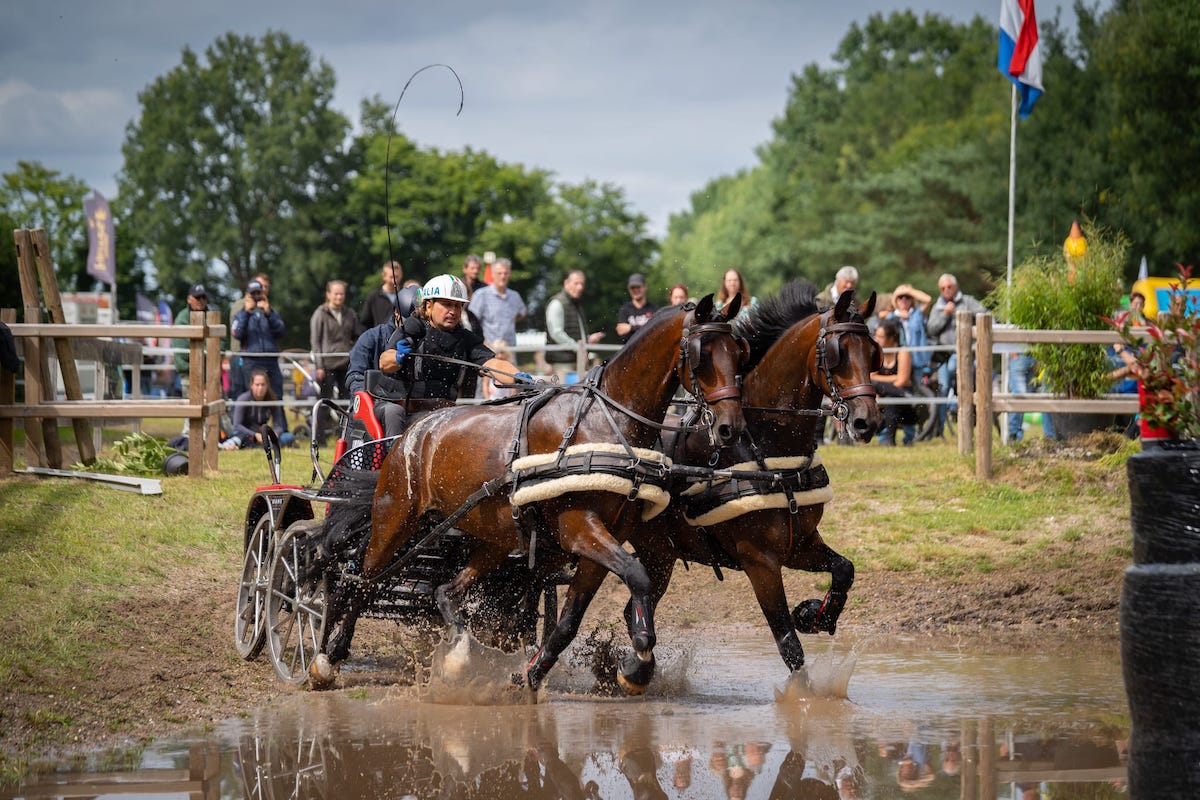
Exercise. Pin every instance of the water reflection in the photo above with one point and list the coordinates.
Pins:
(942, 724)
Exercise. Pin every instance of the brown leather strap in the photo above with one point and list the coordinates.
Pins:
(861, 390)
(724, 393)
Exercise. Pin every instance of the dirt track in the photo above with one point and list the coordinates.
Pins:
(180, 670)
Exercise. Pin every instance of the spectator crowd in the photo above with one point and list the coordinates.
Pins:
(915, 329)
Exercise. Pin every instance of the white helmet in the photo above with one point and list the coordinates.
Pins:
(445, 287)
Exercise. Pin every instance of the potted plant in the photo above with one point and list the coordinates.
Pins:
(1077, 291)
(1160, 599)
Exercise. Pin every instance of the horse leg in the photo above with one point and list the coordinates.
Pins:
(766, 578)
(583, 587)
(485, 558)
(814, 616)
(659, 564)
(583, 534)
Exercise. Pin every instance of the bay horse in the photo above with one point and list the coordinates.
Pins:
(437, 469)
(797, 357)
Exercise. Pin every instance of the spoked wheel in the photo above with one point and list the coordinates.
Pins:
(249, 626)
(295, 605)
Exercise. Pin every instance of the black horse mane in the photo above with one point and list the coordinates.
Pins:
(772, 317)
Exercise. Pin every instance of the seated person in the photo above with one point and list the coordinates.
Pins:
(434, 328)
(249, 417)
(894, 379)
(1121, 361)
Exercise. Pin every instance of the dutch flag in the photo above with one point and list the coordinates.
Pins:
(1020, 57)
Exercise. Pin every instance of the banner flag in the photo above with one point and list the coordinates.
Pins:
(102, 258)
(1020, 56)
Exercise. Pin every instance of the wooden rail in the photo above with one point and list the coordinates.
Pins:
(201, 780)
(976, 400)
(202, 408)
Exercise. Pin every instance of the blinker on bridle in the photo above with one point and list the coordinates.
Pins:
(689, 359)
(827, 360)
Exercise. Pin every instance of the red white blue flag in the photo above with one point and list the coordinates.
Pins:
(1020, 57)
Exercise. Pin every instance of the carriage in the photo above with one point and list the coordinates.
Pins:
(461, 506)
(281, 609)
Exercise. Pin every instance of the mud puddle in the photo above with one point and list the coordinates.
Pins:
(873, 719)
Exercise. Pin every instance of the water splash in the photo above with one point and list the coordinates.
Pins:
(825, 677)
(465, 671)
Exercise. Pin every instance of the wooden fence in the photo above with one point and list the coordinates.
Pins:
(977, 401)
(202, 408)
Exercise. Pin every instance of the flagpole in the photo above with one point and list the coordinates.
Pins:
(1012, 195)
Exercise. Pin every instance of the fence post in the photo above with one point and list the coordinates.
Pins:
(983, 396)
(8, 396)
(196, 394)
(212, 389)
(965, 377)
(36, 433)
(62, 347)
(581, 358)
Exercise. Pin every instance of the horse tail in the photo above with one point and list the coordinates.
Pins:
(347, 526)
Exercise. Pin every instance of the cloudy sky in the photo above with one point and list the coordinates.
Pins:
(656, 97)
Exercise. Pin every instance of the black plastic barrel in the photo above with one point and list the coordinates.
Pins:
(1160, 623)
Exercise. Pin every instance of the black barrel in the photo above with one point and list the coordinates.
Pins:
(1160, 623)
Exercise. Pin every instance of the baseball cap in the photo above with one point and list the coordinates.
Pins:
(636, 279)
(197, 291)
(254, 286)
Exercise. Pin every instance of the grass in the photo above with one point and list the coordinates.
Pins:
(71, 549)
(922, 510)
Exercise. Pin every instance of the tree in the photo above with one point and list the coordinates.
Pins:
(227, 161)
(893, 161)
(1146, 54)
(34, 196)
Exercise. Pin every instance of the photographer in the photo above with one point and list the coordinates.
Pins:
(258, 328)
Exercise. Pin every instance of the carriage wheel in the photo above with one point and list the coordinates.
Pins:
(296, 607)
(249, 625)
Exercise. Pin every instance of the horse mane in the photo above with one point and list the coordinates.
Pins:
(772, 317)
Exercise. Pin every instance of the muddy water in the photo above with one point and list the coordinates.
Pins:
(872, 718)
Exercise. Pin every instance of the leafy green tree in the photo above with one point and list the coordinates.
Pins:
(34, 196)
(590, 228)
(439, 206)
(893, 161)
(226, 164)
(10, 287)
(1146, 55)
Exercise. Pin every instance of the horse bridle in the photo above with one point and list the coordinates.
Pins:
(828, 360)
(689, 360)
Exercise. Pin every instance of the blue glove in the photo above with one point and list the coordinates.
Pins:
(524, 377)
(403, 348)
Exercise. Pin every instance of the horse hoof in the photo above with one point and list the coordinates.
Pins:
(635, 674)
(321, 673)
(631, 689)
(806, 617)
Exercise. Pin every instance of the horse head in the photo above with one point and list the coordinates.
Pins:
(710, 356)
(845, 356)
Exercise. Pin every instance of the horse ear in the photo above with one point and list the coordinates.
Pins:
(730, 311)
(869, 309)
(704, 308)
(843, 304)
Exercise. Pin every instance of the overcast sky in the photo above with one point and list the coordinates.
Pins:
(655, 97)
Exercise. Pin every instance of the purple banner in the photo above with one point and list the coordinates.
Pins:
(102, 258)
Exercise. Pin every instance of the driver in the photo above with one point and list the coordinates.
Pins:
(434, 328)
